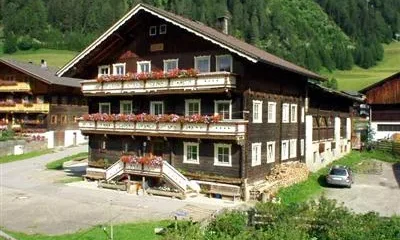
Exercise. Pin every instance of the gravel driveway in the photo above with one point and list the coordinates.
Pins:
(372, 192)
(31, 201)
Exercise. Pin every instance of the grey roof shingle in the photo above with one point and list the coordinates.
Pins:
(47, 75)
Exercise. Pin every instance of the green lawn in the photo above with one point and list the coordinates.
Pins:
(358, 78)
(142, 231)
(54, 58)
(58, 164)
(314, 185)
(12, 158)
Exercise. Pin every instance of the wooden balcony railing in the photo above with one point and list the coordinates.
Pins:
(232, 129)
(17, 87)
(201, 82)
(27, 108)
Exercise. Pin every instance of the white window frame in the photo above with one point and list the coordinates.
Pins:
(292, 148)
(269, 159)
(256, 154)
(272, 108)
(187, 101)
(202, 58)
(163, 29)
(302, 114)
(216, 162)
(302, 147)
(153, 30)
(285, 155)
(171, 60)
(185, 146)
(139, 69)
(119, 65)
(216, 102)
(153, 103)
(259, 118)
(103, 144)
(105, 104)
(293, 115)
(99, 68)
(121, 109)
(217, 59)
(285, 112)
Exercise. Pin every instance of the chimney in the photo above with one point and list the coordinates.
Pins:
(223, 23)
(43, 64)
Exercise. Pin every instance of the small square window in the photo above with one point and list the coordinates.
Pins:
(293, 113)
(255, 154)
(224, 109)
(103, 70)
(104, 108)
(119, 69)
(143, 66)
(285, 150)
(153, 30)
(157, 107)
(170, 64)
(222, 155)
(192, 107)
(191, 152)
(270, 152)
(271, 112)
(54, 119)
(125, 107)
(163, 28)
(285, 113)
(257, 111)
(293, 148)
(63, 119)
(223, 63)
(202, 64)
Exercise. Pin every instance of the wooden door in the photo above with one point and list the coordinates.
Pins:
(59, 137)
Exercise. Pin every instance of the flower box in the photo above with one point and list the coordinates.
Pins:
(169, 126)
(194, 127)
(133, 166)
(155, 169)
(146, 126)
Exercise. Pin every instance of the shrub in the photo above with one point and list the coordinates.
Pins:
(10, 43)
(25, 43)
(228, 225)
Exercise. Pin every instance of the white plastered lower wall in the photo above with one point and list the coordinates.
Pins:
(74, 137)
(383, 134)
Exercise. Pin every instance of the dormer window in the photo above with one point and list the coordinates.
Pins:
(223, 63)
(104, 70)
(153, 30)
(170, 64)
(143, 66)
(202, 63)
(163, 29)
(119, 69)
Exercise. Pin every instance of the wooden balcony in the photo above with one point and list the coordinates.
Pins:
(232, 129)
(27, 108)
(204, 82)
(17, 87)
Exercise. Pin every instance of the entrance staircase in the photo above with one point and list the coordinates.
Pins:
(166, 171)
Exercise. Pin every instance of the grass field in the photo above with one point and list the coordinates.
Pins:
(54, 58)
(13, 158)
(58, 164)
(358, 78)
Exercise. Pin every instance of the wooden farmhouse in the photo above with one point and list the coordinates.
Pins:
(172, 99)
(33, 100)
(384, 100)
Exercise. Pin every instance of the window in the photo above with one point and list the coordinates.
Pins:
(54, 99)
(104, 108)
(125, 146)
(157, 108)
(388, 127)
(222, 155)
(153, 30)
(64, 100)
(202, 63)
(192, 107)
(271, 112)
(191, 152)
(143, 66)
(73, 119)
(293, 148)
(104, 70)
(257, 111)
(223, 63)
(223, 108)
(255, 154)
(163, 28)
(302, 114)
(125, 107)
(293, 113)
(39, 99)
(302, 147)
(170, 64)
(53, 119)
(285, 113)
(119, 69)
(285, 150)
(10, 78)
(270, 152)
(63, 119)
(103, 144)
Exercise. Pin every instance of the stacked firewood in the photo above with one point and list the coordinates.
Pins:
(287, 174)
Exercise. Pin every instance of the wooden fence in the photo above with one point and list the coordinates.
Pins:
(392, 147)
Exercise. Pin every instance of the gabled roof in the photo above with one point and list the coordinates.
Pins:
(228, 42)
(380, 83)
(352, 96)
(44, 74)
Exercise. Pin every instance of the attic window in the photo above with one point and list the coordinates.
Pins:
(163, 29)
(104, 70)
(153, 30)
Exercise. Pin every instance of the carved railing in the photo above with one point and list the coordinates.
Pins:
(17, 87)
(21, 107)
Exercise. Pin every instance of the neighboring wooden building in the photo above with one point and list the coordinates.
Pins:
(35, 101)
(384, 100)
(258, 98)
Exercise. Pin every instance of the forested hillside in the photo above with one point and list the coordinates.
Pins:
(317, 34)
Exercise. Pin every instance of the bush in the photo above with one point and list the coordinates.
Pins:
(10, 43)
(6, 135)
(25, 43)
(228, 225)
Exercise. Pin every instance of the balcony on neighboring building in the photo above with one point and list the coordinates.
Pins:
(166, 126)
(160, 83)
(13, 107)
(14, 86)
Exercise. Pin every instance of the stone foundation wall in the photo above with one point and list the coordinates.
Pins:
(8, 147)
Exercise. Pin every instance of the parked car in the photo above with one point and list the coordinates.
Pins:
(340, 176)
